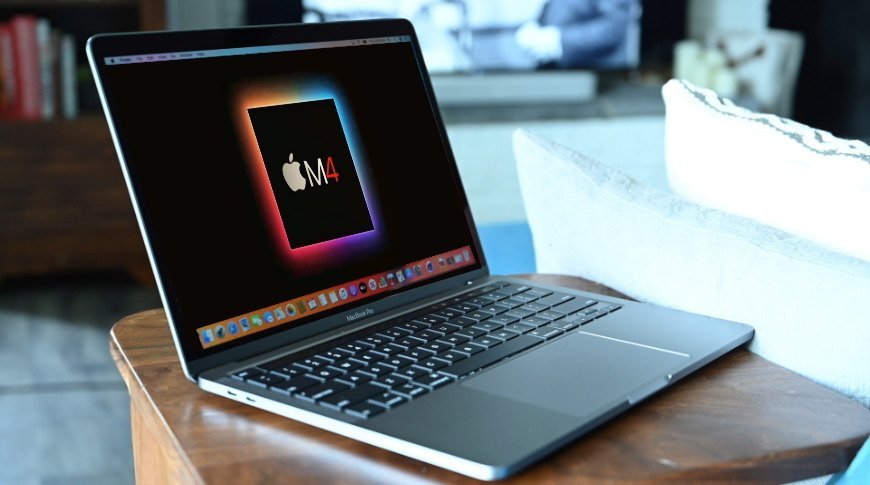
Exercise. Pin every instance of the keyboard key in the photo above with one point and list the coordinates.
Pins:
(469, 348)
(534, 307)
(488, 326)
(244, 374)
(354, 347)
(343, 399)
(466, 307)
(513, 289)
(368, 357)
(413, 372)
(478, 315)
(389, 349)
(574, 305)
(534, 321)
(548, 315)
(363, 343)
(539, 292)
(427, 335)
(431, 364)
(445, 328)
(479, 301)
(493, 309)
(504, 334)
(564, 325)
(396, 362)
(608, 307)
(431, 319)
(414, 326)
(312, 363)
(503, 319)
(435, 347)
(546, 333)
(335, 354)
(326, 373)
(448, 314)
(520, 327)
(434, 381)
(387, 399)
(364, 410)
(409, 342)
(524, 297)
(390, 381)
(355, 378)
(283, 368)
(489, 288)
(491, 356)
(456, 309)
(495, 295)
(486, 341)
(263, 379)
(463, 322)
(377, 341)
(510, 304)
(450, 356)
(555, 299)
(318, 392)
(417, 354)
(377, 370)
(295, 384)
(396, 332)
(453, 339)
(409, 391)
(520, 313)
(471, 332)
(348, 365)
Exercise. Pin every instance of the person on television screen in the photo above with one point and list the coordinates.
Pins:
(579, 33)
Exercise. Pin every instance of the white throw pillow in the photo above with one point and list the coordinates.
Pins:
(767, 168)
(809, 306)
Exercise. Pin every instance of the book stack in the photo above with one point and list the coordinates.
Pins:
(37, 71)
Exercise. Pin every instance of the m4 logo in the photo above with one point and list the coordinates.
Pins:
(319, 175)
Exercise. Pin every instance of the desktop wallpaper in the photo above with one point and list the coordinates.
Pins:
(302, 150)
(225, 242)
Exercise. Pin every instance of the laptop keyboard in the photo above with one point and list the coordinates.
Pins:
(412, 355)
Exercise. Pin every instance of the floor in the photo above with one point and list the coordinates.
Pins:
(64, 415)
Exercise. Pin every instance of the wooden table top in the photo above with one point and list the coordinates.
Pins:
(741, 418)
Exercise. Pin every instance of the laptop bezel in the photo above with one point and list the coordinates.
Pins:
(105, 45)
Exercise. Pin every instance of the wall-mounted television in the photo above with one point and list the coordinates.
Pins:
(462, 36)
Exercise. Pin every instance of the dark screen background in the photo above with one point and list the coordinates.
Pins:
(174, 121)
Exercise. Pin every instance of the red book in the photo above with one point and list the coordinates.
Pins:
(8, 91)
(28, 102)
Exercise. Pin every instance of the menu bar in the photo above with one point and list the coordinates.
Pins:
(240, 51)
(286, 312)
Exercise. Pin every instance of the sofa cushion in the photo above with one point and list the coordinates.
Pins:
(809, 305)
(779, 172)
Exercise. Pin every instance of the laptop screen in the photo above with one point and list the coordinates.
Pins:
(280, 184)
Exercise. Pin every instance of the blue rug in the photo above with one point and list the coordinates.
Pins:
(508, 247)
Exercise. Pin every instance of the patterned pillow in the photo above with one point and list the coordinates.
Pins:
(776, 171)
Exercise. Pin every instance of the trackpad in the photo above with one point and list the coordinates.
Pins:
(577, 374)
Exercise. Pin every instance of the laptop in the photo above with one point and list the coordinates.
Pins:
(317, 258)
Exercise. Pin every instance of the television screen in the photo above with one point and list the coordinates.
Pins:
(504, 35)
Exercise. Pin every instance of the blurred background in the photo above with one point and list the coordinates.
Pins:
(586, 73)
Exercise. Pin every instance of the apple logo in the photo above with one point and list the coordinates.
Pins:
(293, 175)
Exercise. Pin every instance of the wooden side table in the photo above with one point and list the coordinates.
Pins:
(739, 419)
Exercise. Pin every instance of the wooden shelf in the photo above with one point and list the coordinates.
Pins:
(64, 205)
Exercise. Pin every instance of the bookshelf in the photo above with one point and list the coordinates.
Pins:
(64, 206)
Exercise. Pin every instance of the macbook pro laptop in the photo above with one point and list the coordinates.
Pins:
(316, 256)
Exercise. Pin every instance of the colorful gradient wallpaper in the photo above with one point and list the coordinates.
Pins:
(328, 254)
